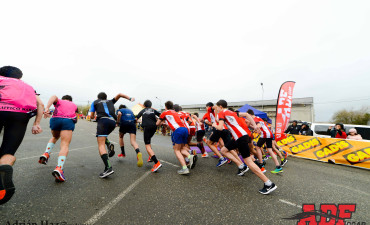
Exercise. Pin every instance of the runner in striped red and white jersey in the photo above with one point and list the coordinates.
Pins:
(266, 137)
(265, 130)
(173, 119)
(241, 141)
(201, 131)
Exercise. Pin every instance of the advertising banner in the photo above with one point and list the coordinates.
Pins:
(343, 151)
(283, 109)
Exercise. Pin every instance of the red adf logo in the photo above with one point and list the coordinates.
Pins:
(328, 214)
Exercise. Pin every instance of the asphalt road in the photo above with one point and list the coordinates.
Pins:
(134, 195)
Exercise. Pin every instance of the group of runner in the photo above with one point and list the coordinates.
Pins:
(230, 131)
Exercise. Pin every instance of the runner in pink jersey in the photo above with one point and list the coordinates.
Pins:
(18, 103)
(62, 125)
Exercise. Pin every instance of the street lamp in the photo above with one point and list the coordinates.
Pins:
(262, 95)
(160, 104)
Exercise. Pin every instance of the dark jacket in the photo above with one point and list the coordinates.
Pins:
(293, 129)
(306, 131)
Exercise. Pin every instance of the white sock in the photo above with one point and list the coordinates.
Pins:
(49, 147)
(241, 166)
(268, 183)
(222, 158)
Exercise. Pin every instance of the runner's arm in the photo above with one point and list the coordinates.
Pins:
(159, 122)
(220, 125)
(120, 95)
(119, 115)
(53, 100)
(251, 120)
(36, 129)
(140, 114)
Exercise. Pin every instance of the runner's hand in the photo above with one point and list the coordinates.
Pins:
(132, 99)
(36, 129)
(46, 113)
(257, 130)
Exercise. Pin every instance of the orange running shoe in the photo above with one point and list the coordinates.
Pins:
(58, 174)
(156, 167)
(44, 158)
(121, 155)
(263, 170)
(205, 155)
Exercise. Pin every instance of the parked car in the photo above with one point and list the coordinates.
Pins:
(320, 129)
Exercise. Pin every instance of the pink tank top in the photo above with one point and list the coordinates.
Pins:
(16, 96)
(65, 109)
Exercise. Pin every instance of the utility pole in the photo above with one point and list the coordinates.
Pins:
(262, 95)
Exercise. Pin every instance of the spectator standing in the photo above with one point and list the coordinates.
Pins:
(294, 128)
(306, 130)
(353, 135)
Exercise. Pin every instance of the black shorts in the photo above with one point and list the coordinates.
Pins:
(149, 133)
(242, 144)
(262, 141)
(128, 128)
(105, 127)
(200, 134)
(15, 126)
(217, 134)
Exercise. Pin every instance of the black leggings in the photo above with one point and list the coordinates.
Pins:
(15, 125)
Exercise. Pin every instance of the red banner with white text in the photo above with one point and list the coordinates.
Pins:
(283, 109)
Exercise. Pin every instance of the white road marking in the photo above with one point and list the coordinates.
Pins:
(349, 188)
(72, 150)
(290, 203)
(114, 202)
(169, 163)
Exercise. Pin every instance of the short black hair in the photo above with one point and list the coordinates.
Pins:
(11, 71)
(209, 104)
(176, 107)
(169, 105)
(148, 104)
(180, 108)
(250, 112)
(231, 109)
(67, 97)
(102, 96)
(196, 114)
(222, 103)
(122, 107)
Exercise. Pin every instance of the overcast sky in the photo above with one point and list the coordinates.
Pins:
(192, 51)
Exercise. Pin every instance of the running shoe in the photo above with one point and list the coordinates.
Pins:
(121, 155)
(183, 171)
(44, 158)
(268, 189)
(149, 160)
(139, 159)
(241, 172)
(111, 151)
(192, 161)
(263, 162)
(205, 155)
(7, 188)
(156, 167)
(106, 172)
(194, 152)
(264, 157)
(228, 161)
(58, 174)
(263, 170)
(277, 170)
(284, 162)
(221, 162)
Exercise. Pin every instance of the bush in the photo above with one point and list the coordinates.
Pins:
(358, 117)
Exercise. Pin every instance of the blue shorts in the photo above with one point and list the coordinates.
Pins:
(60, 124)
(180, 136)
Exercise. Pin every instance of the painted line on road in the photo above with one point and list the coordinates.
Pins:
(169, 163)
(348, 188)
(115, 201)
(290, 203)
(72, 150)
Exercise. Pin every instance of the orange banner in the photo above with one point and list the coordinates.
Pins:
(343, 151)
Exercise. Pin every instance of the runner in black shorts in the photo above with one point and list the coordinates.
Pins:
(149, 120)
(201, 132)
(126, 120)
(18, 103)
(106, 119)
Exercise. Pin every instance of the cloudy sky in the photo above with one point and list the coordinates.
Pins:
(192, 51)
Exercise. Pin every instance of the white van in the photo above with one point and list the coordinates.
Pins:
(321, 129)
